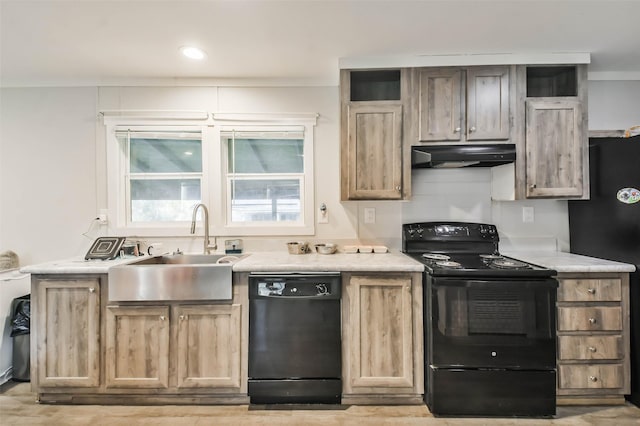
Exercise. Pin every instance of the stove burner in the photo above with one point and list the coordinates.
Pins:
(448, 264)
(489, 257)
(509, 264)
(436, 256)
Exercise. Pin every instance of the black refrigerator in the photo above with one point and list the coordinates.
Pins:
(608, 224)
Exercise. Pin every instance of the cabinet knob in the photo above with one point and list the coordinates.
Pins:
(533, 186)
(92, 290)
(593, 378)
(472, 129)
(591, 291)
(592, 321)
(592, 349)
(183, 317)
(162, 317)
(398, 188)
(457, 129)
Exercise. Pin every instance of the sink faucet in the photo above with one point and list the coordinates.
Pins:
(207, 246)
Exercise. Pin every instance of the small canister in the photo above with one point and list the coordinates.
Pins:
(297, 247)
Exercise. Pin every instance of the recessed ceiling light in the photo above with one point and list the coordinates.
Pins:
(193, 52)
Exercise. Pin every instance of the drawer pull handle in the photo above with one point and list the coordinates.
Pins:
(592, 320)
(593, 378)
(591, 291)
(592, 349)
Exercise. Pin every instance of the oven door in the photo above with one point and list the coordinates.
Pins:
(491, 323)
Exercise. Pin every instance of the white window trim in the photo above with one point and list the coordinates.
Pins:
(214, 181)
(117, 166)
(228, 122)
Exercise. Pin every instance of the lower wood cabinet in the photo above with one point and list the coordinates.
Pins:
(65, 331)
(382, 338)
(89, 351)
(593, 338)
(205, 352)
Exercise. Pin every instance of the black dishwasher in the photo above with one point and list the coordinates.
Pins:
(294, 338)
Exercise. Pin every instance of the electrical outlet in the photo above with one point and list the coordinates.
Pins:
(323, 216)
(527, 214)
(102, 216)
(369, 215)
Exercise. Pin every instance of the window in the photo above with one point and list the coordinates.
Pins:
(164, 176)
(255, 175)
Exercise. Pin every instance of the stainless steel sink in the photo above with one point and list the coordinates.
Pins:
(173, 278)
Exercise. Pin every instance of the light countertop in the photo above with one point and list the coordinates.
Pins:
(281, 261)
(569, 262)
(76, 266)
(338, 262)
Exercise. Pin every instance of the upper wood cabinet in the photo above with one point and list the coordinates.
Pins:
(66, 332)
(551, 136)
(464, 104)
(554, 148)
(374, 150)
(375, 159)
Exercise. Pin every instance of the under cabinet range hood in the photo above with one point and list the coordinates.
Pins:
(450, 156)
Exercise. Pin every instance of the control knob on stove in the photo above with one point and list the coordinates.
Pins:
(411, 231)
(420, 231)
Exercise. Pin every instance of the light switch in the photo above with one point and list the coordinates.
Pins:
(369, 215)
(527, 214)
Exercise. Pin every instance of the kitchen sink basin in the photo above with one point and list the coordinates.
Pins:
(173, 278)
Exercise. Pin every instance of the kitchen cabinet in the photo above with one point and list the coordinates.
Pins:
(593, 338)
(137, 353)
(92, 352)
(66, 331)
(550, 134)
(464, 105)
(206, 351)
(375, 161)
(382, 338)
(554, 148)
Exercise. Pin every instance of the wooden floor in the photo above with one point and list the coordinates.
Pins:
(18, 407)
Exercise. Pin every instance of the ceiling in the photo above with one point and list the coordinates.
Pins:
(77, 43)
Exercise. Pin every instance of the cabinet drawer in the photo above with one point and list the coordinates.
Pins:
(603, 376)
(598, 318)
(588, 290)
(590, 347)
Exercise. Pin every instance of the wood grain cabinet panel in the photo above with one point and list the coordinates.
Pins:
(464, 104)
(590, 348)
(554, 148)
(67, 332)
(380, 343)
(595, 376)
(597, 318)
(208, 350)
(587, 290)
(593, 338)
(137, 346)
(374, 150)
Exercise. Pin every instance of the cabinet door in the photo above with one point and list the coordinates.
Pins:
(374, 151)
(67, 332)
(440, 105)
(554, 148)
(137, 346)
(208, 348)
(488, 103)
(380, 335)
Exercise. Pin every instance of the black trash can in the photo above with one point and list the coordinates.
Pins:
(21, 333)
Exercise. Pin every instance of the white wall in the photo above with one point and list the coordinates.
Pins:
(53, 183)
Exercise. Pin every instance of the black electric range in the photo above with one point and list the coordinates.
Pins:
(490, 323)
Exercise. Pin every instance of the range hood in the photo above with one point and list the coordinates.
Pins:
(476, 155)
